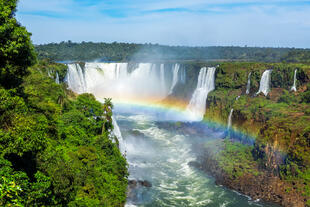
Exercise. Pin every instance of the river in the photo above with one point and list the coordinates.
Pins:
(160, 155)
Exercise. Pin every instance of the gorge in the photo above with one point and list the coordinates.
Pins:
(161, 152)
(128, 124)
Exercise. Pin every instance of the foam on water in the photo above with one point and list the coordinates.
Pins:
(162, 157)
(154, 153)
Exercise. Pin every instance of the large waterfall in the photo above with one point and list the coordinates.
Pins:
(264, 85)
(76, 78)
(146, 82)
(294, 85)
(158, 154)
(248, 86)
(197, 105)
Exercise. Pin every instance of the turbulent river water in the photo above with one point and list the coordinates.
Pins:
(160, 155)
(156, 151)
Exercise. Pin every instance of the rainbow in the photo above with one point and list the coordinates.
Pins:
(169, 110)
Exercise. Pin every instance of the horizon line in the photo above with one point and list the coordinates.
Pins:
(166, 45)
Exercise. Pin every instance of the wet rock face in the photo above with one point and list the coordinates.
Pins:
(136, 133)
(139, 183)
(135, 189)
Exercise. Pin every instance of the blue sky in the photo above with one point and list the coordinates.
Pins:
(266, 23)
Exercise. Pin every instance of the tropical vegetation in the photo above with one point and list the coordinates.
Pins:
(56, 148)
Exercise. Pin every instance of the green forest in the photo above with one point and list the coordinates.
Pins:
(88, 51)
(56, 148)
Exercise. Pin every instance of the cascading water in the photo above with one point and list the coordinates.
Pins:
(113, 80)
(248, 86)
(183, 76)
(264, 85)
(155, 151)
(57, 78)
(295, 79)
(118, 134)
(175, 77)
(162, 78)
(229, 121)
(206, 84)
(49, 73)
(76, 78)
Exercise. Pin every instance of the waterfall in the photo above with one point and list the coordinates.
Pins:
(264, 85)
(118, 134)
(144, 70)
(146, 83)
(76, 78)
(162, 78)
(294, 85)
(248, 86)
(183, 75)
(229, 122)
(175, 77)
(121, 70)
(49, 73)
(57, 78)
(197, 105)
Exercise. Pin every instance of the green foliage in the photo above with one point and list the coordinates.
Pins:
(287, 98)
(302, 56)
(305, 97)
(9, 193)
(17, 190)
(55, 149)
(234, 158)
(16, 50)
(21, 131)
(279, 122)
(66, 144)
(85, 51)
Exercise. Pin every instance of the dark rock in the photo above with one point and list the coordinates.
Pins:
(136, 133)
(138, 183)
(145, 183)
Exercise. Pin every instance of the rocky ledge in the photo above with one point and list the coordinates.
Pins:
(262, 185)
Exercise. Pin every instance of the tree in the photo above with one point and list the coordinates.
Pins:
(16, 50)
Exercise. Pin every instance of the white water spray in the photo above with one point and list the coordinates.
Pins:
(229, 121)
(206, 84)
(294, 85)
(248, 86)
(175, 77)
(183, 75)
(114, 80)
(264, 86)
(118, 134)
(76, 78)
(49, 73)
(162, 78)
(57, 78)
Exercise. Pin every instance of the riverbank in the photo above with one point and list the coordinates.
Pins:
(279, 121)
(231, 165)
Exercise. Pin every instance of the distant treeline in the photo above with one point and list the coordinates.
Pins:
(86, 51)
